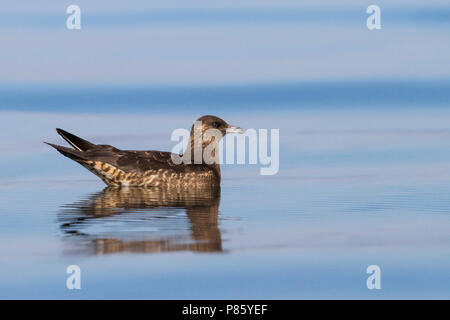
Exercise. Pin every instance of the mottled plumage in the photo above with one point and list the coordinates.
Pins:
(146, 168)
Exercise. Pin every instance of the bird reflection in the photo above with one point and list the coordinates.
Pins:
(143, 220)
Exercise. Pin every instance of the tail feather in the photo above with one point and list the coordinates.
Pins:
(68, 152)
(76, 142)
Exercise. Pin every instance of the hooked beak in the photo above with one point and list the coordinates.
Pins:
(232, 129)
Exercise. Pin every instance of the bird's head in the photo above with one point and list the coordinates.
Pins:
(206, 133)
(214, 124)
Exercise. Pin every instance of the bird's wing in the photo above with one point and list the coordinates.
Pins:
(76, 142)
(125, 160)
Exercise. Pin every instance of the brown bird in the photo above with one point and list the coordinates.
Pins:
(133, 168)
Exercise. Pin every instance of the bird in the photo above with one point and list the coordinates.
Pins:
(133, 168)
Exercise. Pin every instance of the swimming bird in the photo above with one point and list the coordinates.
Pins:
(199, 165)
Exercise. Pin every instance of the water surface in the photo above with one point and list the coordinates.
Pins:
(364, 120)
(356, 187)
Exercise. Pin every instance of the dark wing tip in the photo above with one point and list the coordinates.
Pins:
(70, 153)
(76, 142)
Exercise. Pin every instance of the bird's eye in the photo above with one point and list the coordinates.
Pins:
(216, 124)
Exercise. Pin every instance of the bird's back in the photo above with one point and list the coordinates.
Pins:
(147, 169)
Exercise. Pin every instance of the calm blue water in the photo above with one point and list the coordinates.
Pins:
(356, 187)
(364, 120)
(338, 95)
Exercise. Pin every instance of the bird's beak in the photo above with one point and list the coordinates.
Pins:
(232, 129)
